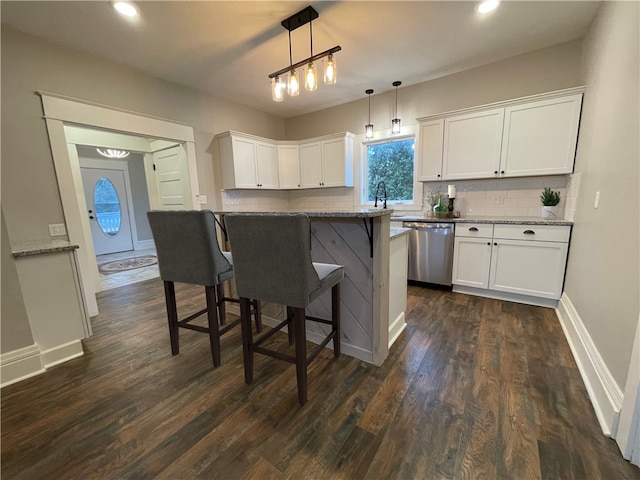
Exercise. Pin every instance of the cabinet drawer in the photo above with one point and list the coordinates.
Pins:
(540, 233)
(481, 230)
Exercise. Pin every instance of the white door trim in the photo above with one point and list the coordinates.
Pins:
(628, 434)
(57, 111)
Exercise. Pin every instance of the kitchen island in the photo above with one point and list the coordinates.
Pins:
(359, 240)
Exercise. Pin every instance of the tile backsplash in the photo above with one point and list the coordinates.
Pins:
(504, 197)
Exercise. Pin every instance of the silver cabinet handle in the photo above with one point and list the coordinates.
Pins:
(529, 232)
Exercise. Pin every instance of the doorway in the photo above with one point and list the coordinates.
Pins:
(62, 112)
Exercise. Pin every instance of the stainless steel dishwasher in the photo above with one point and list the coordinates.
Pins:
(430, 252)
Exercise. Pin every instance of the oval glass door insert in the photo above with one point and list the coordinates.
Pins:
(107, 207)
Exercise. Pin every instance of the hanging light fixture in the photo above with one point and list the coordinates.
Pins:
(277, 89)
(368, 128)
(395, 122)
(310, 73)
(112, 153)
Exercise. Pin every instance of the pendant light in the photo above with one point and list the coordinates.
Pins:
(395, 122)
(368, 128)
(330, 71)
(277, 89)
(293, 86)
(310, 75)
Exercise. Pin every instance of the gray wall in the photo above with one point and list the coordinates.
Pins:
(540, 71)
(15, 331)
(602, 275)
(140, 195)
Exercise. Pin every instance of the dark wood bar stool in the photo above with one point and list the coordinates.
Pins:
(188, 252)
(272, 262)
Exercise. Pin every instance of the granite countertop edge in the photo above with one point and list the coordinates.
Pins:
(493, 220)
(360, 213)
(397, 232)
(26, 248)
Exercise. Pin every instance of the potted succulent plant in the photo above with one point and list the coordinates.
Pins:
(550, 201)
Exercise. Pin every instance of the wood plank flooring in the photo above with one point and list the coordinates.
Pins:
(474, 388)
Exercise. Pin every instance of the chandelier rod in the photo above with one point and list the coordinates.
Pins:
(313, 58)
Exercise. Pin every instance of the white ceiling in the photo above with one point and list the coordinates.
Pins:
(228, 49)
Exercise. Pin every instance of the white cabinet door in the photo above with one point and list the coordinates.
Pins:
(267, 165)
(540, 137)
(333, 163)
(311, 165)
(289, 166)
(472, 145)
(431, 143)
(471, 262)
(244, 162)
(528, 267)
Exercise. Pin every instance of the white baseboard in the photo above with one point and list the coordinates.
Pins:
(61, 353)
(396, 328)
(19, 365)
(143, 244)
(606, 396)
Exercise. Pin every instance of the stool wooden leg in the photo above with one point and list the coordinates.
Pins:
(214, 329)
(301, 353)
(335, 318)
(220, 303)
(172, 316)
(290, 328)
(257, 309)
(247, 339)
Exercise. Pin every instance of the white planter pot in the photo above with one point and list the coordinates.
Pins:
(550, 212)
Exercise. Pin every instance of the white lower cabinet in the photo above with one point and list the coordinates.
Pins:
(524, 260)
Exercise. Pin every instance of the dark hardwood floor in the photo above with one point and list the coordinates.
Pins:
(474, 388)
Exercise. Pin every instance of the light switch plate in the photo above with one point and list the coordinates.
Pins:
(201, 199)
(57, 230)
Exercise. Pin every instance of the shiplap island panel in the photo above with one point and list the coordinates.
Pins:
(358, 240)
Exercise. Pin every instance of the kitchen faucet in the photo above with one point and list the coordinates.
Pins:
(384, 194)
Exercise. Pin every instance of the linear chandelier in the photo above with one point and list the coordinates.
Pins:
(292, 85)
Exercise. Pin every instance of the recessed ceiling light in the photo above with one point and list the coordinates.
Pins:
(127, 9)
(488, 6)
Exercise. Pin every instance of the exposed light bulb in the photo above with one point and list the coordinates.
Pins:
(127, 9)
(293, 88)
(310, 77)
(330, 70)
(488, 6)
(277, 89)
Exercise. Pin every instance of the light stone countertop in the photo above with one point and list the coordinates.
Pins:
(356, 213)
(398, 231)
(494, 220)
(26, 248)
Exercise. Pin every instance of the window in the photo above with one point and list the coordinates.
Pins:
(107, 204)
(391, 162)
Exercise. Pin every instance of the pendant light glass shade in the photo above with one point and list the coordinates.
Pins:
(395, 126)
(293, 87)
(368, 128)
(330, 71)
(395, 122)
(277, 89)
(310, 77)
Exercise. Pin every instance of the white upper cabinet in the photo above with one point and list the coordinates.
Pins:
(254, 162)
(289, 166)
(327, 162)
(540, 137)
(517, 138)
(472, 145)
(430, 144)
(247, 162)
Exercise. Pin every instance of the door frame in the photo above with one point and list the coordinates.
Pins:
(59, 110)
(120, 166)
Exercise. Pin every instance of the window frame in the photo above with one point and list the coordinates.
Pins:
(409, 133)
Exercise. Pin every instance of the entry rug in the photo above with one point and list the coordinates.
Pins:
(127, 264)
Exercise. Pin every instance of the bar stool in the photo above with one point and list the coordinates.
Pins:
(272, 263)
(188, 252)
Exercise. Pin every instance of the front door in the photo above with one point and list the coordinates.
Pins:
(108, 210)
